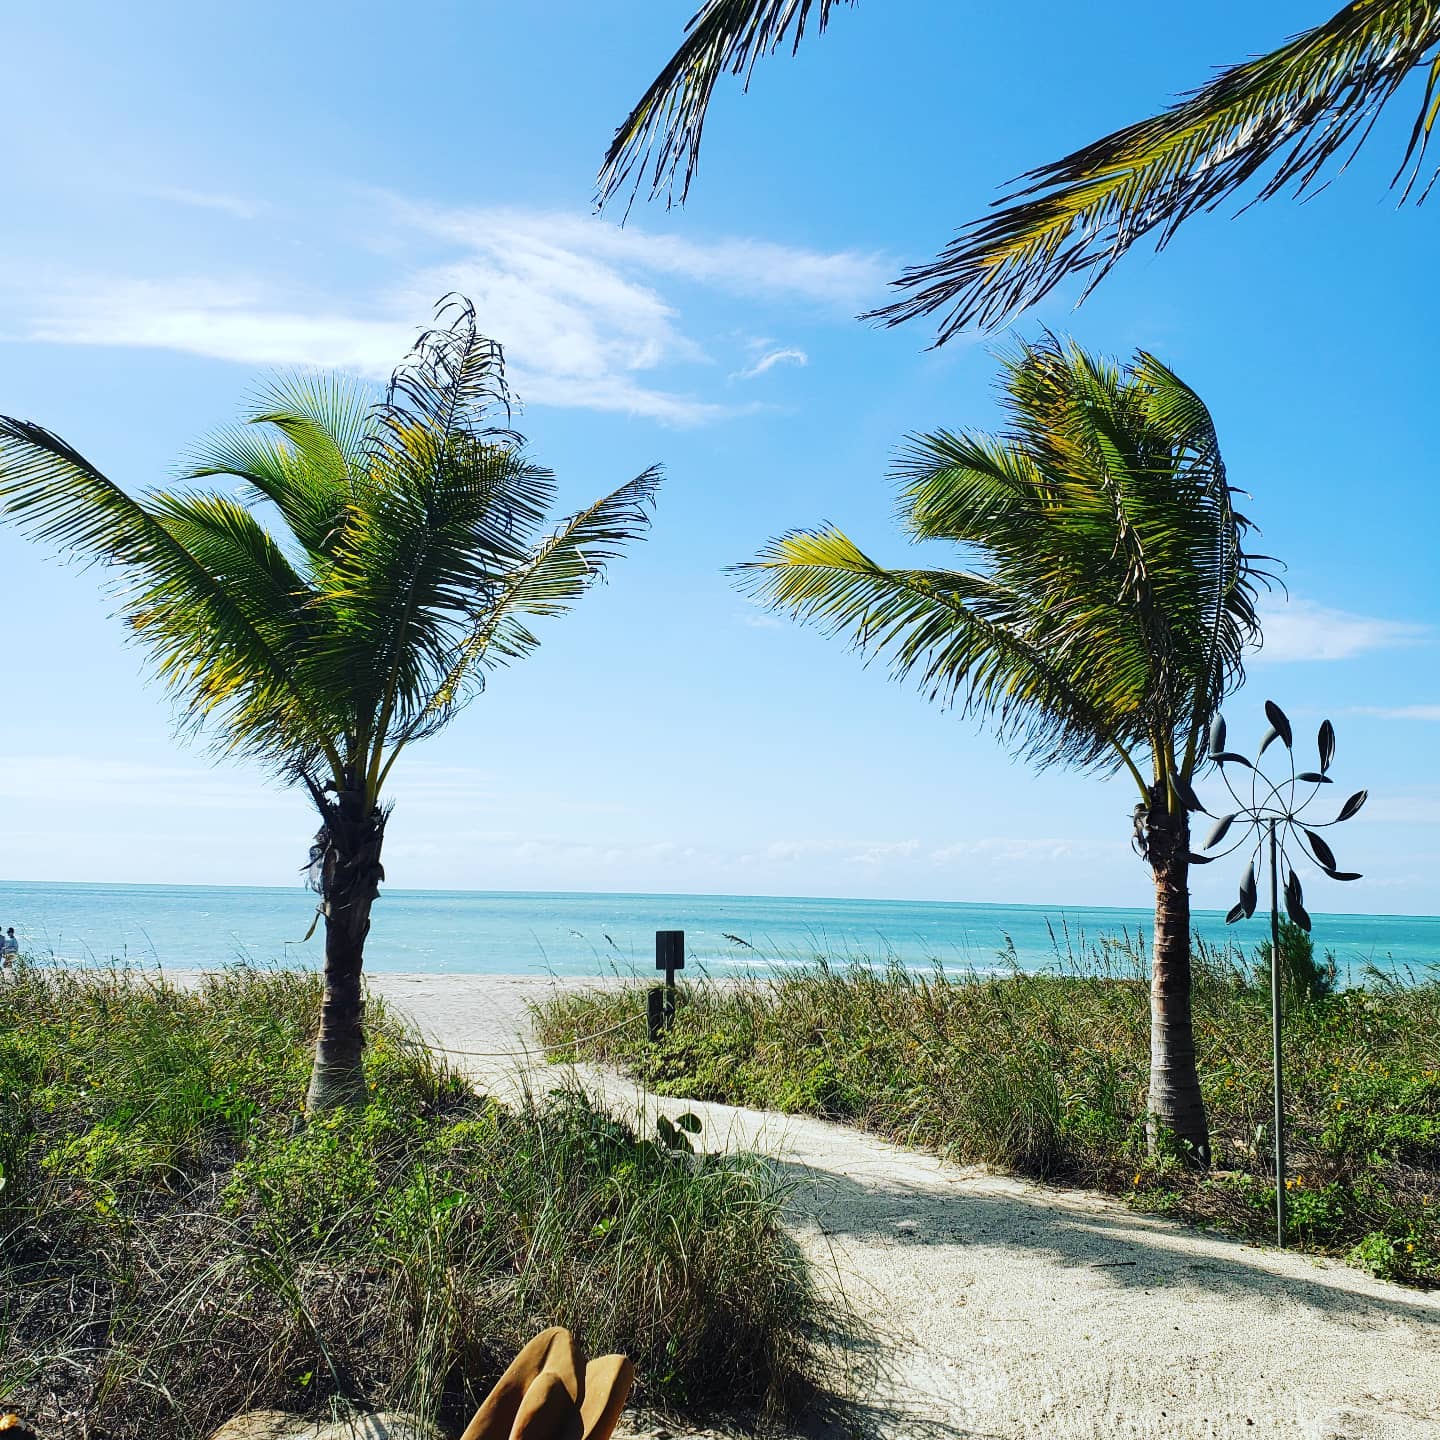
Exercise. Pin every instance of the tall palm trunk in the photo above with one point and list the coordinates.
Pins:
(347, 852)
(1175, 1107)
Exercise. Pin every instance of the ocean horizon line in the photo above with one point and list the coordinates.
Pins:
(708, 895)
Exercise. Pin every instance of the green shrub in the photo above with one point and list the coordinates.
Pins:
(1302, 977)
(176, 1245)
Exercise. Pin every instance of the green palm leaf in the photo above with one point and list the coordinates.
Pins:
(1108, 600)
(1288, 119)
(1298, 109)
(723, 37)
(216, 639)
(546, 583)
(961, 638)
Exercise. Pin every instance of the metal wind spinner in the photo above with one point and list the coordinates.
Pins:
(1273, 818)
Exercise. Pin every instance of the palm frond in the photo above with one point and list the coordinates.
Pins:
(1108, 599)
(211, 636)
(723, 37)
(310, 500)
(963, 639)
(1301, 107)
(304, 447)
(271, 711)
(414, 561)
(451, 383)
(547, 583)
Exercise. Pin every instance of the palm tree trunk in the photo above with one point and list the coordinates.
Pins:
(1176, 1108)
(347, 852)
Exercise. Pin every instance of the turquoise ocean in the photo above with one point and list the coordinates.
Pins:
(516, 933)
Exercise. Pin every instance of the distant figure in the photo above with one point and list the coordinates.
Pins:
(9, 948)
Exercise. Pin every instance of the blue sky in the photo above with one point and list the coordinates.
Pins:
(199, 195)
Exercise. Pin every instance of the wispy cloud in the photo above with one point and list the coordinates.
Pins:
(1398, 712)
(1302, 630)
(235, 205)
(736, 264)
(590, 314)
(790, 355)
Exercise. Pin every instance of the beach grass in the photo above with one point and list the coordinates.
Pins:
(1045, 1074)
(177, 1244)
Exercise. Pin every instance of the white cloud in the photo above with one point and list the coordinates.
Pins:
(234, 205)
(1302, 630)
(1421, 808)
(790, 355)
(738, 265)
(1008, 848)
(1398, 712)
(577, 302)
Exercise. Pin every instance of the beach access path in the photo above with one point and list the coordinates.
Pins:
(1006, 1309)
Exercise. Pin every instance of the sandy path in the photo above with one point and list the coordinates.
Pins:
(1015, 1310)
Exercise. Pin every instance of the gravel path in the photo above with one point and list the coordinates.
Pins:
(1012, 1310)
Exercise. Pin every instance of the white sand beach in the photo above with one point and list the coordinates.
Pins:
(1018, 1310)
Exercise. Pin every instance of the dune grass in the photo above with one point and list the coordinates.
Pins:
(1045, 1075)
(177, 1245)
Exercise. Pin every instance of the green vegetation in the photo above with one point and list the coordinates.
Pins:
(1100, 612)
(1302, 977)
(1288, 118)
(377, 559)
(176, 1244)
(1045, 1075)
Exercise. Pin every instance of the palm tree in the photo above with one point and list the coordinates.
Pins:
(1104, 620)
(1294, 110)
(343, 601)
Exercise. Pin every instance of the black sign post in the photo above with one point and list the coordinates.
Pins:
(669, 957)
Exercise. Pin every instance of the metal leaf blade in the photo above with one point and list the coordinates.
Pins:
(1217, 736)
(1248, 893)
(1326, 744)
(1322, 852)
(1295, 902)
(1352, 806)
(1278, 718)
(1218, 832)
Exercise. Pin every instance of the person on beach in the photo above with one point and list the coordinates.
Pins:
(9, 948)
